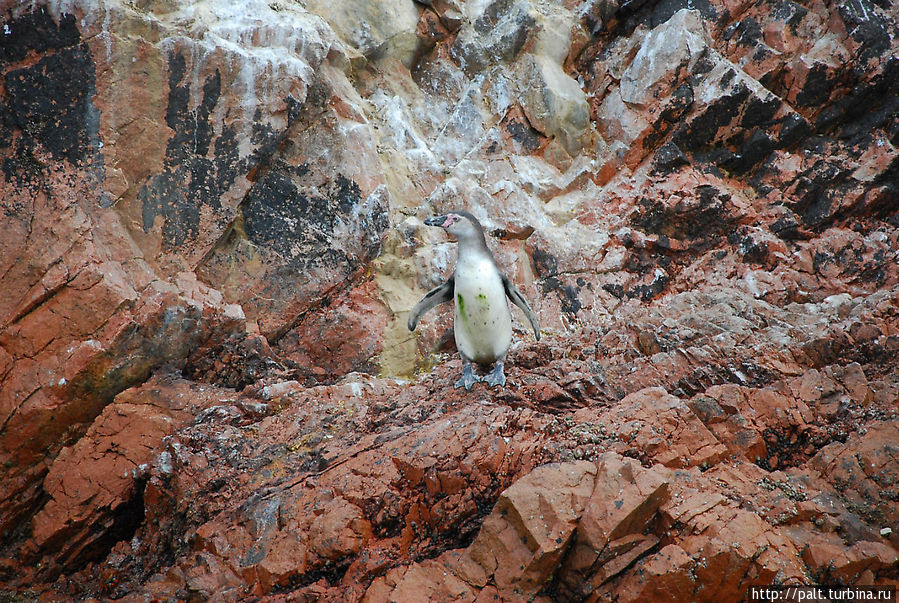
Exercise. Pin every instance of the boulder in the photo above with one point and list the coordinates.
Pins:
(611, 533)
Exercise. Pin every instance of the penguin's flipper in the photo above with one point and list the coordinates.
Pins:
(434, 297)
(518, 299)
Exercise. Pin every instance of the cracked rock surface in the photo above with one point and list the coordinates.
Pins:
(213, 234)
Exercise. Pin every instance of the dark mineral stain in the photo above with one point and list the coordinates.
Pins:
(199, 166)
(49, 101)
(705, 221)
(818, 87)
(665, 9)
(545, 264)
(752, 251)
(298, 223)
(524, 134)
(754, 150)
(668, 158)
(521, 131)
(699, 133)
(748, 32)
(280, 217)
(867, 27)
(793, 128)
(202, 162)
(872, 106)
(37, 32)
(788, 12)
(345, 193)
(759, 112)
(817, 191)
(652, 290)
(615, 289)
(674, 111)
(787, 229)
(568, 294)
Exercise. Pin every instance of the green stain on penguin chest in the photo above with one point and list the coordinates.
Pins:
(483, 306)
(482, 321)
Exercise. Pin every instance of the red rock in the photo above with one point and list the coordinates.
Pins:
(774, 410)
(831, 562)
(624, 502)
(739, 550)
(344, 337)
(431, 580)
(634, 492)
(861, 468)
(521, 542)
(283, 563)
(340, 530)
(664, 428)
(724, 409)
(853, 379)
(93, 484)
(700, 215)
(102, 366)
(664, 576)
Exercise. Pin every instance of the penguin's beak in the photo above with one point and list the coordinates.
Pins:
(436, 221)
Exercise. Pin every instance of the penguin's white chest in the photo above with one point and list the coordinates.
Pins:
(482, 321)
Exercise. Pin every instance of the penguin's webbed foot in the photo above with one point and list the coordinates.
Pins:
(466, 381)
(468, 378)
(497, 377)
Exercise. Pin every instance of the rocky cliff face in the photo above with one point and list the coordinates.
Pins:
(212, 234)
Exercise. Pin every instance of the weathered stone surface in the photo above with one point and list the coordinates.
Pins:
(663, 576)
(66, 384)
(554, 103)
(663, 427)
(522, 541)
(499, 31)
(432, 580)
(95, 486)
(666, 57)
(103, 291)
(864, 469)
(312, 221)
(375, 29)
(226, 200)
(610, 536)
(834, 562)
(342, 338)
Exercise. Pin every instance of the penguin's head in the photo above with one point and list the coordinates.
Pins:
(460, 224)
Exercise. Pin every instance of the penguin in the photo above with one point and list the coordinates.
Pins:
(482, 322)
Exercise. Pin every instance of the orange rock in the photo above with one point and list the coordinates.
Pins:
(624, 502)
(662, 426)
(664, 576)
(340, 530)
(521, 542)
(93, 484)
(345, 336)
(861, 466)
(702, 215)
